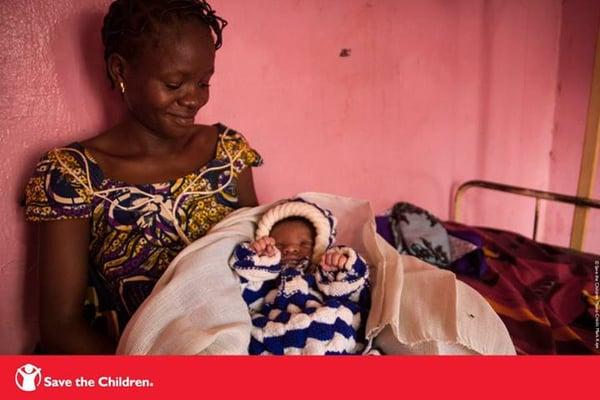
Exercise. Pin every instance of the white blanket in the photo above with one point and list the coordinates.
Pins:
(196, 306)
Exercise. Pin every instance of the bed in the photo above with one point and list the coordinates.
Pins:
(546, 295)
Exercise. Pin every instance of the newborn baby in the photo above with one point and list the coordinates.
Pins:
(304, 296)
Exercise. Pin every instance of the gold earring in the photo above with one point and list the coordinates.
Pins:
(122, 85)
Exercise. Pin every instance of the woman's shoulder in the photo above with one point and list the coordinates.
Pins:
(61, 185)
(72, 160)
(68, 159)
(235, 143)
(229, 133)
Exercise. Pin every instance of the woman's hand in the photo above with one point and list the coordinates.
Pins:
(333, 260)
(264, 246)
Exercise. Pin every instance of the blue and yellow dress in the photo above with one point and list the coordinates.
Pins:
(136, 230)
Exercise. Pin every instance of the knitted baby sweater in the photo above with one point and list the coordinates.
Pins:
(301, 309)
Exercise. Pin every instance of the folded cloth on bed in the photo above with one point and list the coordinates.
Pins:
(196, 307)
(417, 232)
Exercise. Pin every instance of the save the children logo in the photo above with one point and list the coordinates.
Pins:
(28, 377)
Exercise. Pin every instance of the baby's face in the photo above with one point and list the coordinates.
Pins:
(294, 240)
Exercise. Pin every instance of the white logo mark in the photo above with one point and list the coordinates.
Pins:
(28, 377)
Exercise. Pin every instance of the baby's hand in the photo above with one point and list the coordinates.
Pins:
(264, 246)
(333, 260)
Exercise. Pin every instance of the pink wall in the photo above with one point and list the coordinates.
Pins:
(433, 93)
(579, 31)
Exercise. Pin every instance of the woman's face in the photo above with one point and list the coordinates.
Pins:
(168, 82)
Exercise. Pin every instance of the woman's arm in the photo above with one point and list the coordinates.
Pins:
(63, 255)
(246, 193)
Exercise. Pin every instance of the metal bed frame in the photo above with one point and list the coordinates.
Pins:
(583, 202)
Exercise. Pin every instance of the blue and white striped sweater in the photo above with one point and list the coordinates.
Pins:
(295, 311)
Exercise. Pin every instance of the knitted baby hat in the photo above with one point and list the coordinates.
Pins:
(322, 219)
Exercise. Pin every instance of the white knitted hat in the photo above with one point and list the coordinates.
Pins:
(322, 219)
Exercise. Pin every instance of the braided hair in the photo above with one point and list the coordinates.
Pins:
(129, 23)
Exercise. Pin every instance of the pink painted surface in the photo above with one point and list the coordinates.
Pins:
(580, 23)
(433, 93)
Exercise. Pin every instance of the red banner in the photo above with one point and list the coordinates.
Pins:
(102, 377)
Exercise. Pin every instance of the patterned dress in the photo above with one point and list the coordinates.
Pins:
(136, 230)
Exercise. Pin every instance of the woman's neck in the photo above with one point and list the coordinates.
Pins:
(139, 140)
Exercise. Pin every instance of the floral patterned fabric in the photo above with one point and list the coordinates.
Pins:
(135, 230)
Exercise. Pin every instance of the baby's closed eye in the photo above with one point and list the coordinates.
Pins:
(304, 245)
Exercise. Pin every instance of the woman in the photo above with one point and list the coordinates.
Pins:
(115, 209)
